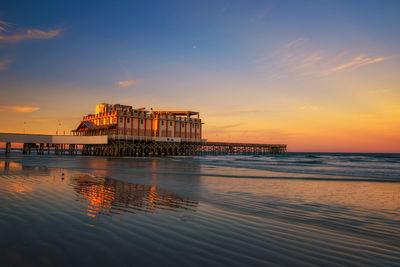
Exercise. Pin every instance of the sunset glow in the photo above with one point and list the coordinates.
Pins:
(317, 76)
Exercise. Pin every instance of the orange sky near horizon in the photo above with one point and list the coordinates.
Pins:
(308, 128)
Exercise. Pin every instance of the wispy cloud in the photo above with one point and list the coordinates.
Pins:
(30, 34)
(309, 60)
(300, 58)
(3, 25)
(292, 58)
(7, 34)
(129, 80)
(308, 108)
(286, 52)
(19, 109)
(129, 83)
(4, 63)
(358, 62)
(262, 14)
(296, 43)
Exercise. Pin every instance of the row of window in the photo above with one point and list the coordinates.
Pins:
(162, 122)
(105, 121)
(128, 120)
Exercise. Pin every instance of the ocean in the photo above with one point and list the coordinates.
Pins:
(292, 209)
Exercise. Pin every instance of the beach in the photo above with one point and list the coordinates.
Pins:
(243, 210)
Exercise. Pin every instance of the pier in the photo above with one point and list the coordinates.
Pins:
(125, 131)
(242, 148)
(129, 146)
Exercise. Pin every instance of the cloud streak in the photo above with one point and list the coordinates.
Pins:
(129, 83)
(31, 34)
(357, 62)
(296, 43)
(19, 109)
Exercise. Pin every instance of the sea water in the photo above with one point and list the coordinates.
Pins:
(290, 209)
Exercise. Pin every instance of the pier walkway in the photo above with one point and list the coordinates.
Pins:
(59, 143)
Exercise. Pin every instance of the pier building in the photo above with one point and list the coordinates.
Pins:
(141, 124)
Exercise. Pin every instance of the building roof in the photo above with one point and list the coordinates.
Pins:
(92, 126)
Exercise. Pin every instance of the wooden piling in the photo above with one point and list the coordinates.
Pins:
(8, 147)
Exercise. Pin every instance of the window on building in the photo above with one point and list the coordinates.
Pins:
(120, 119)
(141, 121)
(128, 120)
(183, 125)
(170, 124)
(162, 123)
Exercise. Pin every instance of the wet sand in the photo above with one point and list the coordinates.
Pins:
(96, 211)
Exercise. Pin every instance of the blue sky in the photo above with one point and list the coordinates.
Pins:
(267, 59)
(101, 40)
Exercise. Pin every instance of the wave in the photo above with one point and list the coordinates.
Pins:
(308, 162)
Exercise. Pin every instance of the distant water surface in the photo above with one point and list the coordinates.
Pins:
(291, 209)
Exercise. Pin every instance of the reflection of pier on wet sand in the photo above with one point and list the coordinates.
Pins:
(110, 196)
(99, 195)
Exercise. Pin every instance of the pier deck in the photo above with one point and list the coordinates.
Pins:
(117, 145)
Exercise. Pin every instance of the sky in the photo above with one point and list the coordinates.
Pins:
(319, 76)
